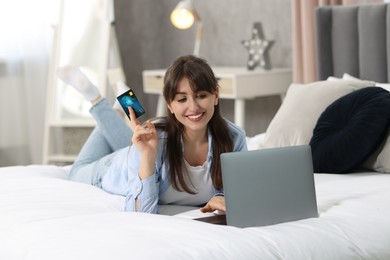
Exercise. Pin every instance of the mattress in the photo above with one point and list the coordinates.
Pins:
(45, 216)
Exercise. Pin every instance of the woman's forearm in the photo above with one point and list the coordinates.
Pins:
(147, 165)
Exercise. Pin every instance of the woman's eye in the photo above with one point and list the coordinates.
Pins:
(201, 96)
(181, 100)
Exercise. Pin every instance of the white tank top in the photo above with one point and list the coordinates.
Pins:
(203, 186)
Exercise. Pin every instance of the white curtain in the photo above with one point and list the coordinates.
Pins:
(25, 48)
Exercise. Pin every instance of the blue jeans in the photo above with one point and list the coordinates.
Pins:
(110, 135)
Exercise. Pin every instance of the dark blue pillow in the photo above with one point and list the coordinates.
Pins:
(350, 129)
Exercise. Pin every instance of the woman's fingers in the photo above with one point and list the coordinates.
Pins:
(215, 203)
(133, 119)
(144, 132)
(206, 209)
(140, 130)
(151, 126)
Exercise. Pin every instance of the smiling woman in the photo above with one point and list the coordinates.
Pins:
(173, 159)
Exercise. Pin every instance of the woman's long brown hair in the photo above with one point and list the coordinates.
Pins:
(201, 78)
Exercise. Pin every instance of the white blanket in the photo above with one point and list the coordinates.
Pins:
(44, 216)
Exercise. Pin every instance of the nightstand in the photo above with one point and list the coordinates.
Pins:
(236, 83)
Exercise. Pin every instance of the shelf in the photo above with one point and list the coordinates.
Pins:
(62, 158)
(73, 123)
(65, 140)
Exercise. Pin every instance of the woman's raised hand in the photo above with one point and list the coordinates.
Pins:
(144, 137)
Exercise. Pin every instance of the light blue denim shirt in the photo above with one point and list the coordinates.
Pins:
(122, 175)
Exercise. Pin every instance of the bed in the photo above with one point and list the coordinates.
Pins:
(45, 216)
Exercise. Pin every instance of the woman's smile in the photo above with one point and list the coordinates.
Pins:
(195, 117)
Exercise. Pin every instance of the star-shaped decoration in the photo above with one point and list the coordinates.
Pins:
(258, 49)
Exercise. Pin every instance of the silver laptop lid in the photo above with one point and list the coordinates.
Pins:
(268, 186)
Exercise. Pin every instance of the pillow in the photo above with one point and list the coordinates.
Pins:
(294, 122)
(350, 130)
(376, 84)
(379, 161)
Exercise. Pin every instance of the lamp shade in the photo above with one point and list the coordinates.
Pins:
(182, 17)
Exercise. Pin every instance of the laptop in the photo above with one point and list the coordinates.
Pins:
(267, 186)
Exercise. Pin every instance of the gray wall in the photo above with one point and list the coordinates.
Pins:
(147, 40)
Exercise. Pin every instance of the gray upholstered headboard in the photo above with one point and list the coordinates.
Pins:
(354, 40)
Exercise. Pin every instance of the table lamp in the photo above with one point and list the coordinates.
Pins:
(184, 16)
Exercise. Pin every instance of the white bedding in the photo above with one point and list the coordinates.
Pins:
(44, 216)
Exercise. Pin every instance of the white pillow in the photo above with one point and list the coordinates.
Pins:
(350, 77)
(379, 161)
(295, 120)
(331, 78)
(383, 85)
(254, 142)
(376, 84)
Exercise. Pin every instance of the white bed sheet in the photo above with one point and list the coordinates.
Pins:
(45, 216)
